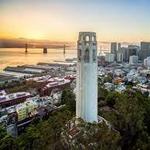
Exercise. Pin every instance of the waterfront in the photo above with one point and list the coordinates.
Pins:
(17, 56)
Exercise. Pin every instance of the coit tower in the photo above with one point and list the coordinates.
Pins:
(86, 97)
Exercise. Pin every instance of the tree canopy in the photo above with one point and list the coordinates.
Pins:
(128, 114)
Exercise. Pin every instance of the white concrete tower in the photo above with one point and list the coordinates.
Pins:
(86, 103)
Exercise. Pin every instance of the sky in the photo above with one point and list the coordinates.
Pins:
(61, 20)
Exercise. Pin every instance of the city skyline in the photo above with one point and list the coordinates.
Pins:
(61, 20)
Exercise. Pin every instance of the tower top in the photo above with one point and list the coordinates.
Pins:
(87, 32)
(87, 36)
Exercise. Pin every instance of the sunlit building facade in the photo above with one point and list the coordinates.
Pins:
(86, 103)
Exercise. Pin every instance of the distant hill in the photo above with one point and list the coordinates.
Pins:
(20, 43)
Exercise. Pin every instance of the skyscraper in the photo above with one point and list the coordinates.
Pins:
(145, 50)
(119, 47)
(124, 51)
(86, 103)
(114, 49)
(132, 51)
(119, 57)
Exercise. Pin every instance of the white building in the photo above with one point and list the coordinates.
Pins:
(120, 57)
(86, 103)
(147, 62)
(109, 57)
(133, 60)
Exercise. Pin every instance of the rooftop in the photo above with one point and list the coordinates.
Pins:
(6, 77)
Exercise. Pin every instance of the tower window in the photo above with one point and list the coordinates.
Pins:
(93, 38)
(87, 38)
(86, 56)
(94, 55)
(79, 54)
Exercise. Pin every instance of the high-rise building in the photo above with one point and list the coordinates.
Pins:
(124, 51)
(114, 49)
(147, 62)
(132, 50)
(119, 57)
(109, 57)
(86, 102)
(145, 50)
(119, 47)
(133, 60)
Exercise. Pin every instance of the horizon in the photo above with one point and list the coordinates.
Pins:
(49, 40)
(103, 45)
(121, 21)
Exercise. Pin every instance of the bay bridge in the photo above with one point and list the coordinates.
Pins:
(45, 49)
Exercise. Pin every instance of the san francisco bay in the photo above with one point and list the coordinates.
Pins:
(17, 56)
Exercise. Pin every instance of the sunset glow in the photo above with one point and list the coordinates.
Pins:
(62, 19)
